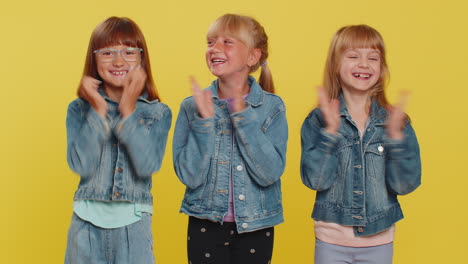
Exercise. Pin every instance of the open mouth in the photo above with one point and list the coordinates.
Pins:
(217, 61)
(362, 76)
(118, 73)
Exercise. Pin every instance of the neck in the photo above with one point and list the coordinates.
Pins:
(233, 87)
(357, 102)
(114, 93)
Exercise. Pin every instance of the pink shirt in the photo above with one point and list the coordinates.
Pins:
(230, 214)
(336, 234)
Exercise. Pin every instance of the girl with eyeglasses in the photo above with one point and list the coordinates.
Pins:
(116, 137)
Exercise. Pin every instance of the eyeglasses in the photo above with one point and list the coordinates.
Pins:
(109, 54)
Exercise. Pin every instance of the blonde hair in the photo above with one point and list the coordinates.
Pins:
(119, 31)
(249, 31)
(349, 37)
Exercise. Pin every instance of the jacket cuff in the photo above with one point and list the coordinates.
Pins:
(202, 125)
(98, 124)
(126, 126)
(395, 146)
(328, 142)
(244, 117)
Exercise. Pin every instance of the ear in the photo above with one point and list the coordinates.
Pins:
(254, 56)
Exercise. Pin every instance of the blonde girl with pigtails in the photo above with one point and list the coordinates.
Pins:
(229, 149)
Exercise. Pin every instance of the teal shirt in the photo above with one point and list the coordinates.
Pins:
(110, 214)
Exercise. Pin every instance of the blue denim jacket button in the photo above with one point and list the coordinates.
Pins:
(377, 168)
(205, 159)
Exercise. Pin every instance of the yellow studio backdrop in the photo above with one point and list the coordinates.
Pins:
(43, 46)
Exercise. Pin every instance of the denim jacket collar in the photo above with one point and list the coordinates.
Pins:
(143, 97)
(378, 114)
(255, 97)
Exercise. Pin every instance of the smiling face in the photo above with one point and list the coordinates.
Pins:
(360, 69)
(113, 72)
(227, 56)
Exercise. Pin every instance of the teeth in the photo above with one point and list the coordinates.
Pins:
(218, 60)
(118, 72)
(361, 75)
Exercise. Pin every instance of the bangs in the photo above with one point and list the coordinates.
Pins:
(233, 26)
(117, 31)
(360, 36)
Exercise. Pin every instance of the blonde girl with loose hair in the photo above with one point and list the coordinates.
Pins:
(116, 137)
(229, 149)
(358, 152)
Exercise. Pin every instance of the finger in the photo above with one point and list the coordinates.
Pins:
(129, 74)
(207, 95)
(403, 100)
(209, 108)
(335, 103)
(95, 81)
(323, 98)
(195, 87)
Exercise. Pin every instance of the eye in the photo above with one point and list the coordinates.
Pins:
(374, 58)
(130, 51)
(228, 42)
(106, 53)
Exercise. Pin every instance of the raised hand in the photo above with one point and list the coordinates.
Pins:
(89, 92)
(397, 117)
(133, 86)
(202, 100)
(239, 102)
(330, 111)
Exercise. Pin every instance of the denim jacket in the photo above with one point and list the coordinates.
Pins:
(115, 158)
(250, 144)
(358, 180)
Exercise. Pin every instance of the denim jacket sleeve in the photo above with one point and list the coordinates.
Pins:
(86, 134)
(145, 140)
(403, 164)
(319, 162)
(262, 146)
(193, 145)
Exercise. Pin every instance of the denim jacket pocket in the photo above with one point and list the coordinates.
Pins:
(270, 197)
(203, 194)
(375, 158)
(339, 187)
(146, 120)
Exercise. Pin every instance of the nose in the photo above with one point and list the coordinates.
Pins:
(118, 59)
(217, 47)
(363, 63)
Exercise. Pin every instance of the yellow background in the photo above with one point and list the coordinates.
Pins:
(43, 45)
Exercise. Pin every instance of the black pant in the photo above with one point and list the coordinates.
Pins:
(213, 243)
